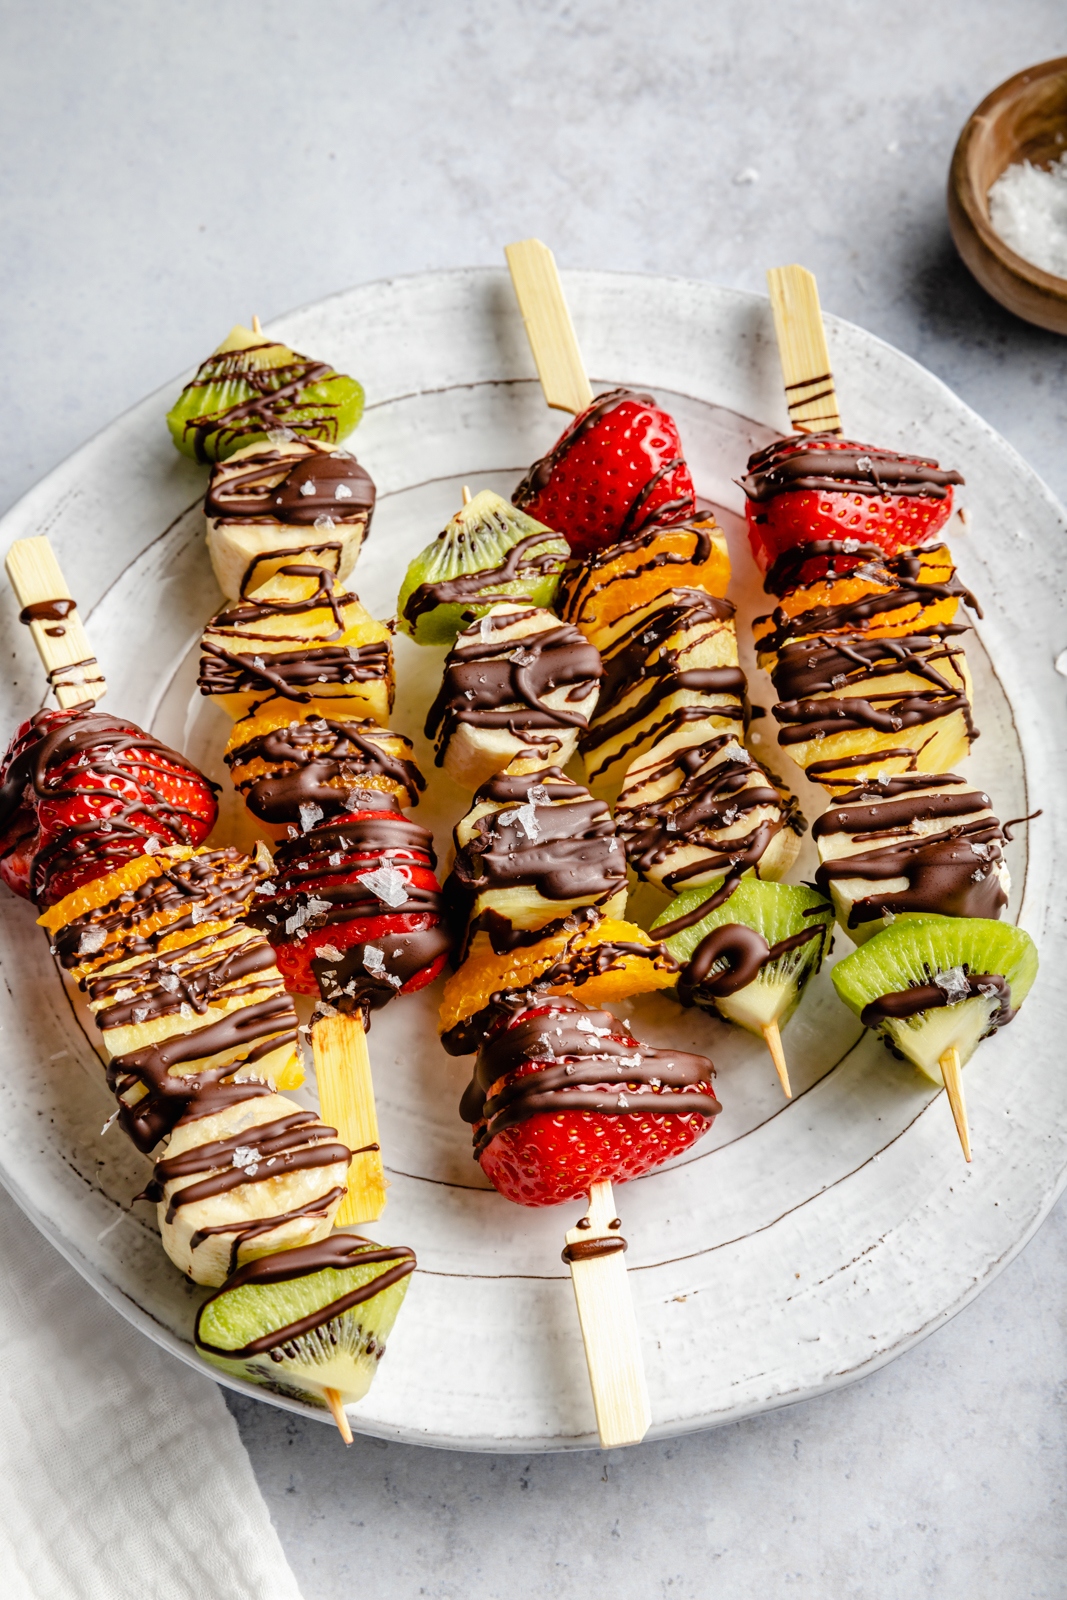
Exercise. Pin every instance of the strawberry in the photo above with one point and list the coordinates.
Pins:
(816, 487)
(82, 792)
(563, 1096)
(617, 468)
(355, 912)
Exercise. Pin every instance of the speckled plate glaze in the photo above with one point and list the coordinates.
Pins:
(799, 1245)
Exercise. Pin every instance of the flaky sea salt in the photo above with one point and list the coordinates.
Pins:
(387, 883)
(342, 492)
(374, 962)
(307, 488)
(310, 813)
(953, 982)
(1028, 208)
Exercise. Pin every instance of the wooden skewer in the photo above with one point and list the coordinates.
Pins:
(466, 495)
(255, 324)
(798, 325)
(74, 674)
(548, 325)
(337, 1411)
(346, 1101)
(952, 1073)
(774, 1045)
(594, 1254)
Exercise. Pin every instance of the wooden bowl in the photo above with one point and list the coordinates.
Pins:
(1024, 119)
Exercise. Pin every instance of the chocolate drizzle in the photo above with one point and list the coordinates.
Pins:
(336, 1253)
(743, 953)
(903, 585)
(560, 1057)
(296, 490)
(277, 393)
(560, 842)
(827, 464)
(653, 548)
(470, 588)
(710, 796)
(951, 870)
(502, 683)
(321, 888)
(211, 886)
(321, 762)
(297, 1142)
(920, 997)
(575, 966)
(121, 785)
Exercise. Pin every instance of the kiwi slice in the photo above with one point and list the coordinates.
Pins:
(974, 972)
(490, 551)
(755, 919)
(305, 1321)
(251, 388)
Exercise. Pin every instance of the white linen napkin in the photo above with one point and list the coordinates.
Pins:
(122, 1474)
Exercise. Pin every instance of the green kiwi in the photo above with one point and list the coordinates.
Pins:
(774, 912)
(247, 1327)
(489, 551)
(252, 387)
(915, 951)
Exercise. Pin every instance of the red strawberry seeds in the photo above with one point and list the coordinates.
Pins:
(563, 1097)
(814, 487)
(615, 469)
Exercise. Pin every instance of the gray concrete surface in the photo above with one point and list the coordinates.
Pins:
(165, 170)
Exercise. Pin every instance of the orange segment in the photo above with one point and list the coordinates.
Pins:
(606, 960)
(837, 606)
(622, 578)
(124, 880)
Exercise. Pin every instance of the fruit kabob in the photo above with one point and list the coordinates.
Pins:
(103, 828)
(352, 909)
(696, 812)
(563, 1098)
(875, 704)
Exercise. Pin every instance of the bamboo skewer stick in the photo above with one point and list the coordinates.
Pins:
(798, 325)
(346, 1101)
(548, 325)
(774, 1045)
(338, 1413)
(594, 1248)
(952, 1073)
(594, 1253)
(466, 495)
(74, 674)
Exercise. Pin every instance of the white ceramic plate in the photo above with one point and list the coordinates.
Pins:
(799, 1245)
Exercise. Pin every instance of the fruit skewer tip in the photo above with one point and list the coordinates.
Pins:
(594, 1253)
(255, 324)
(48, 607)
(338, 1413)
(806, 372)
(774, 1044)
(466, 495)
(952, 1073)
(549, 328)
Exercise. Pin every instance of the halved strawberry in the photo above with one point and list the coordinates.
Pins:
(82, 792)
(817, 487)
(563, 1097)
(354, 911)
(615, 469)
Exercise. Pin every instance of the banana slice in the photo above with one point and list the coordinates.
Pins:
(269, 505)
(911, 842)
(519, 687)
(532, 848)
(244, 1181)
